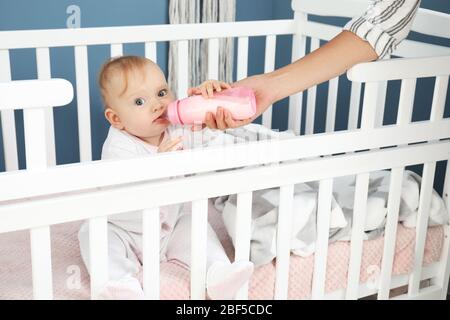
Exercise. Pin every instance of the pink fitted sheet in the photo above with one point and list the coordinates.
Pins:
(71, 280)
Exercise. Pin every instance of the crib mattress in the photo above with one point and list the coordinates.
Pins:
(71, 280)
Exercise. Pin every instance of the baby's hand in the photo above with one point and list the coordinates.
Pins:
(207, 88)
(171, 145)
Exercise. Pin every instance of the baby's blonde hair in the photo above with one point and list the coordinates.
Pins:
(124, 65)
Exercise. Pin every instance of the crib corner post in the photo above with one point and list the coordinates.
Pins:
(443, 277)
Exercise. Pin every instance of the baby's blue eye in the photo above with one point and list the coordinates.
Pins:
(139, 101)
(162, 93)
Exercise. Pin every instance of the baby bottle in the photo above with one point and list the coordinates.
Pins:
(240, 101)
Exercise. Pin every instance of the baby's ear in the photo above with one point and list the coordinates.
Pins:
(113, 118)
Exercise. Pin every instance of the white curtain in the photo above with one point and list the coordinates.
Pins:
(195, 11)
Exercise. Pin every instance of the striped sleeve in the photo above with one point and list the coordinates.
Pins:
(385, 24)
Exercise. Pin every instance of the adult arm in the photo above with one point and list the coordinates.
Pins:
(371, 36)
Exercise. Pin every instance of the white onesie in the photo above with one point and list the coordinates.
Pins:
(125, 229)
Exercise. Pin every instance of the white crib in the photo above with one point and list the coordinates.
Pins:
(45, 194)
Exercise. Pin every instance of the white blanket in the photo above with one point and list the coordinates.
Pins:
(303, 231)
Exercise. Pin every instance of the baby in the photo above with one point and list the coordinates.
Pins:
(136, 96)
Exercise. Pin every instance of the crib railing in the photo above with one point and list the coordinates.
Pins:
(67, 178)
(148, 196)
(302, 29)
(407, 70)
(77, 189)
(32, 95)
(92, 194)
(427, 22)
(116, 37)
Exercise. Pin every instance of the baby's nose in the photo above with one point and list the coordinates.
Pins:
(157, 107)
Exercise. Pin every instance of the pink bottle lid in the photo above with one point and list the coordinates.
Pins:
(173, 108)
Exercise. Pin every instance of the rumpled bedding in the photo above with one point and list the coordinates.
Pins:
(304, 218)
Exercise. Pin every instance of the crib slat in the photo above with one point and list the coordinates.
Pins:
(283, 242)
(439, 95)
(369, 105)
(41, 263)
(395, 191)
(151, 225)
(116, 50)
(243, 229)
(36, 157)
(426, 188)
(331, 104)
(446, 190)
(355, 97)
(269, 65)
(357, 235)
(213, 59)
(242, 67)
(198, 251)
(298, 51)
(311, 99)
(9, 140)
(442, 277)
(83, 107)
(35, 140)
(98, 254)
(406, 102)
(182, 72)
(381, 99)
(323, 229)
(7, 117)
(150, 51)
(43, 69)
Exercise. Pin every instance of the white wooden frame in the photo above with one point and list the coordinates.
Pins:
(87, 184)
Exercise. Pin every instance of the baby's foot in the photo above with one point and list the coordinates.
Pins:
(127, 288)
(224, 279)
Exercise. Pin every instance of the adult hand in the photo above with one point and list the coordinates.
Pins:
(207, 89)
(264, 98)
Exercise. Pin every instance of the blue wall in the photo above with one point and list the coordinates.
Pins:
(47, 14)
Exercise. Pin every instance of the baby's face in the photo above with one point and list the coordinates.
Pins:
(143, 103)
